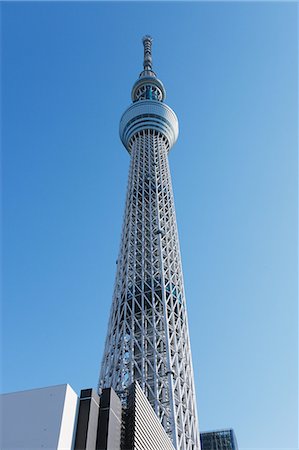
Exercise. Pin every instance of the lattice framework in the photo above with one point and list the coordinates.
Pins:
(148, 338)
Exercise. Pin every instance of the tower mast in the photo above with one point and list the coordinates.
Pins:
(148, 337)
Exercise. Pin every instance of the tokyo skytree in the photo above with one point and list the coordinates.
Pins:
(148, 338)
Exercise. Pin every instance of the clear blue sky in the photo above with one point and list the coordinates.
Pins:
(230, 71)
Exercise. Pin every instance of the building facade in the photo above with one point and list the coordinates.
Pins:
(53, 418)
(99, 422)
(148, 338)
(142, 427)
(38, 418)
(219, 440)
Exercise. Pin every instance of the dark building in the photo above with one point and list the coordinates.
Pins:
(219, 440)
(87, 422)
(99, 421)
(103, 425)
(110, 421)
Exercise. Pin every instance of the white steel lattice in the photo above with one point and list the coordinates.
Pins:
(148, 337)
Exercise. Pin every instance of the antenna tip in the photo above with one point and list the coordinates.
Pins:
(147, 37)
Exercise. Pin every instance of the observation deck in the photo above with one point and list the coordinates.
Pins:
(149, 115)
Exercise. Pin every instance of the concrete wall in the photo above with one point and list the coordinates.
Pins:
(38, 419)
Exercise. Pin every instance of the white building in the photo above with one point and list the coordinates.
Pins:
(39, 419)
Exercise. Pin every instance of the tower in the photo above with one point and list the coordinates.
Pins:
(148, 338)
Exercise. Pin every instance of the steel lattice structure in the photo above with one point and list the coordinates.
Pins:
(148, 338)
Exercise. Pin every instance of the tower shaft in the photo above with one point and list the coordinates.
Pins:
(148, 337)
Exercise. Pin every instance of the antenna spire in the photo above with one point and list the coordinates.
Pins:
(148, 86)
(147, 43)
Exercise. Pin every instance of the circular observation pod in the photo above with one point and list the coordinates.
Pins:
(148, 115)
(143, 83)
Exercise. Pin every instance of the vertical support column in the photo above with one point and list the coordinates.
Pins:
(109, 424)
(87, 422)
